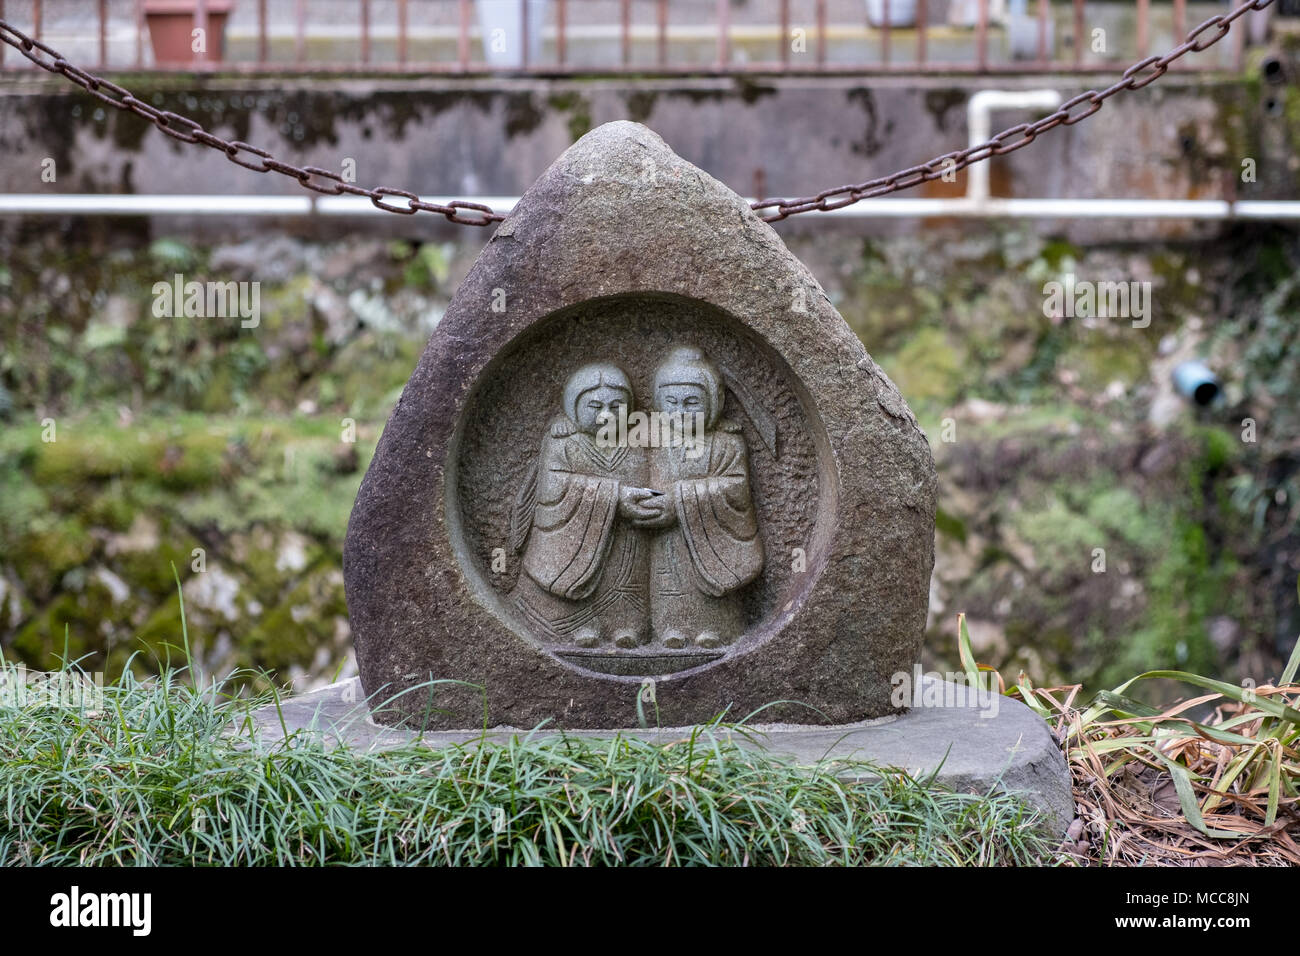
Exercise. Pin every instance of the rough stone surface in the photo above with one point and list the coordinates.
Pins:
(1010, 750)
(620, 254)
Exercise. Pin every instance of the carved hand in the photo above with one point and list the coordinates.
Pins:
(661, 513)
(636, 504)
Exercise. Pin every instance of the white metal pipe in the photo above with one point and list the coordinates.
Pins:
(1061, 208)
(1265, 209)
(978, 110)
(96, 204)
(81, 204)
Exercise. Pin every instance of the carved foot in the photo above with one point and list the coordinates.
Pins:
(587, 637)
(626, 639)
(709, 639)
(674, 639)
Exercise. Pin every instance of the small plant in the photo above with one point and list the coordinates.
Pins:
(1163, 785)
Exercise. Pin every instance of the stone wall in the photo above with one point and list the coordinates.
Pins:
(1052, 438)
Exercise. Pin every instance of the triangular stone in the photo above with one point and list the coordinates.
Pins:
(501, 540)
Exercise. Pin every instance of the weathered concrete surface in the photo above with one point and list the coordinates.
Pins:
(787, 136)
(970, 748)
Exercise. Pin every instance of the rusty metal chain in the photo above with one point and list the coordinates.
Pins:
(1134, 78)
(189, 131)
(332, 184)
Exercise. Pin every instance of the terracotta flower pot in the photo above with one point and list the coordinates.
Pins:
(171, 23)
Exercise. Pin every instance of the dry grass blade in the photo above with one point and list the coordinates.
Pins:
(1159, 786)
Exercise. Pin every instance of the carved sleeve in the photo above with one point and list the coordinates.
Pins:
(717, 518)
(572, 526)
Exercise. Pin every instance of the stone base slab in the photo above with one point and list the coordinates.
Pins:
(971, 743)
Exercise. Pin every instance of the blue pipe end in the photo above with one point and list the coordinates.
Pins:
(1196, 382)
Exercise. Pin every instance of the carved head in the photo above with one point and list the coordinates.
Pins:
(594, 393)
(686, 382)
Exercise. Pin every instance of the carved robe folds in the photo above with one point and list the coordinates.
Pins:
(713, 548)
(585, 569)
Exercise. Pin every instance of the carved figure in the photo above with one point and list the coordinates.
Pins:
(706, 545)
(585, 563)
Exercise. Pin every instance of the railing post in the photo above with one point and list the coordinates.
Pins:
(1143, 28)
(785, 34)
(1043, 14)
(201, 23)
(401, 32)
(662, 16)
(300, 32)
(139, 34)
(561, 28)
(921, 18)
(884, 36)
(724, 22)
(365, 31)
(263, 41)
(462, 37)
(1078, 33)
(625, 32)
(523, 34)
(982, 37)
(103, 33)
(821, 33)
(38, 14)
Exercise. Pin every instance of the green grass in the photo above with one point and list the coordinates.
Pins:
(165, 774)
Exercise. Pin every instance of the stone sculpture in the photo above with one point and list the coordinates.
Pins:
(641, 458)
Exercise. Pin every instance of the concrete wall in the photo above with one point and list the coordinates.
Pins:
(791, 136)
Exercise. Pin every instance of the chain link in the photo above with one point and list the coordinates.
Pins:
(189, 131)
(310, 177)
(1134, 78)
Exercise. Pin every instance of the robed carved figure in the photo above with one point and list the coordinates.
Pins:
(646, 536)
(709, 546)
(585, 563)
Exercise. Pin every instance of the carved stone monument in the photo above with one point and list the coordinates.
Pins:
(641, 456)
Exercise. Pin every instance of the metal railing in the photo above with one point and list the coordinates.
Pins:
(668, 37)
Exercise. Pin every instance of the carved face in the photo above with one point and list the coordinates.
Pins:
(598, 405)
(682, 399)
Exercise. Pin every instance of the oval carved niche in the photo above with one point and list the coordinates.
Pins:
(692, 575)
